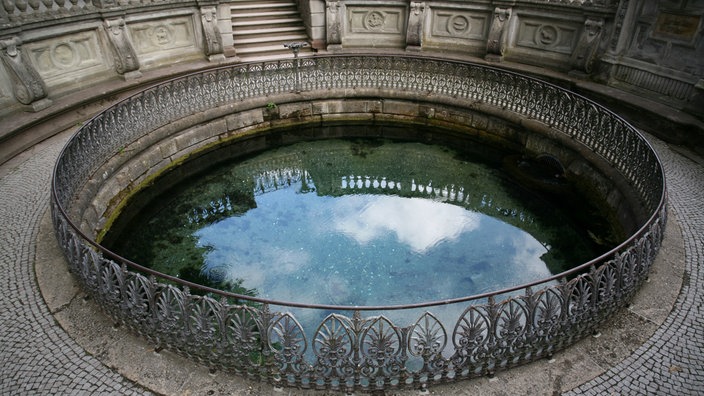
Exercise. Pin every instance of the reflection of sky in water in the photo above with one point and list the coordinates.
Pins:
(419, 224)
(369, 249)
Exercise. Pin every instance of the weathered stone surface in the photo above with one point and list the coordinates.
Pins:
(27, 86)
(125, 58)
(375, 24)
(212, 39)
(459, 28)
(164, 39)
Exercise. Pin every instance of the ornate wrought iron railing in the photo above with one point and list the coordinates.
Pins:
(353, 348)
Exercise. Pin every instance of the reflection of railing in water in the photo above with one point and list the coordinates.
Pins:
(277, 178)
(221, 206)
(352, 352)
(216, 209)
(476, 200)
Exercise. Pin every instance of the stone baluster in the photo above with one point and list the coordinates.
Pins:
(126, 61)
(334, 24)
(584, 53)
(496, 43)
(105, 4)
(414, 32)
(27, 85)
(212, 42)
(20, 10)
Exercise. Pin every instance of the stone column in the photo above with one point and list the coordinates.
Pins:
(621, 34)
(333, 24)
(27, 86)
(212, 42)
(126, 62)
(414, 32)
(584, 53)
(624, 25)
(496, 43)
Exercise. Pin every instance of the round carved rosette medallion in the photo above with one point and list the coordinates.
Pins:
(374, 20)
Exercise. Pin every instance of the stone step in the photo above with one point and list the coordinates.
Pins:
(274, 47)
(271, 48)
(283, 29)
(263, 57)
(283, 53)
(267, 22)
(265, 14)
(266, 38)
(267, 5)
(260, 28)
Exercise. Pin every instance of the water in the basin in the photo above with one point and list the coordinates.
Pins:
(354, 223)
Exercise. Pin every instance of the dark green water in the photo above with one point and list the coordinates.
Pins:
(355, 222)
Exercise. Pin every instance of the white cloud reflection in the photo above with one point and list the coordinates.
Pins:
(259, 269)
(527, 259)
(419, 223)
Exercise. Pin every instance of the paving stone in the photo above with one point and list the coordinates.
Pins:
(676, 345)
(38, 356)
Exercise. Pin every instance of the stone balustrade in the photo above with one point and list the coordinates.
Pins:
(16, 12)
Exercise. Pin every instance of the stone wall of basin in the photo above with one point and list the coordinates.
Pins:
(250, 126)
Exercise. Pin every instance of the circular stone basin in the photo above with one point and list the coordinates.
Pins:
(360, 222)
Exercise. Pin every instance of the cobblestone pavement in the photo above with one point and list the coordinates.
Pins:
(671, 362)
(38, 357)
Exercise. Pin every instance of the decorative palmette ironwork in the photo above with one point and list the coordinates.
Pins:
(348, 351)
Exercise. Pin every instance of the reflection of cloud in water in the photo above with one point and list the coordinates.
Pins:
(257, 270)
(528, 251)
(418, 223)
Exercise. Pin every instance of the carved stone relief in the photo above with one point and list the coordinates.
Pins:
(162, 41)
(126, 62)
(163, 34)
(547, 35)
(375, 20)
(584, 54)
(27, 86)
(78, 53)
(496, 43)
(416, 20)
(212, 40)
(6, 95)
(376, 26)
(459, 24)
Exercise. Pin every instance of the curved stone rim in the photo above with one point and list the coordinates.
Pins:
(555, 316)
